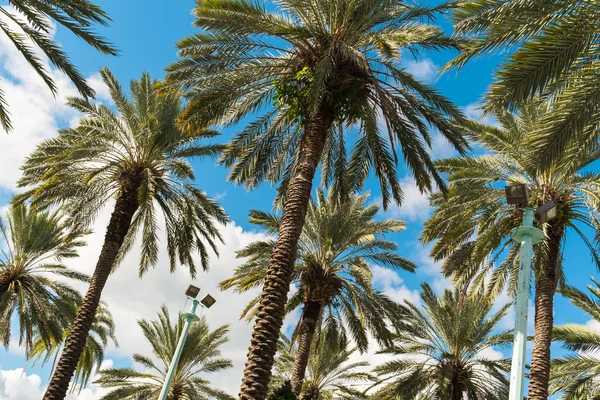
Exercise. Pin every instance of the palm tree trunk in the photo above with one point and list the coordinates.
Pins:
(4, 284)
(310, 319)
(271, 310)
(546, 279)
(119, 224)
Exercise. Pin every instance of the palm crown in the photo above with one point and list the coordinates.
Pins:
(440, 350)
(200, 355)
(338, 245)
(556, 56)
(340, 57)
(36, 243)
(33, 19)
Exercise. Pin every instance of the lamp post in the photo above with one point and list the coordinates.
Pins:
(190, 317)
(527, 235)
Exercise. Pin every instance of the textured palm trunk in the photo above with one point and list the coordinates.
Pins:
(271, 310)
(310, 319)
(119, 224)
(546, 279)
(456, 389)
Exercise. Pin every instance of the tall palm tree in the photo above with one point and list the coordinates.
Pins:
(473, 222)
(440, 350)
(35, 245)
(338, 245)
(307, 70)
(140, 158)
(577, 376)
(201, 355)
(103, 330)
(556, 56)
(33, 22)
(330, 373)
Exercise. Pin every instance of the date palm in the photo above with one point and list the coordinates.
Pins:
(577, 376)
(338, 245)
(137, 161)
(306, 71)
(556, 55)
(440, 350)
(103, 330)
(201, 355)
(28, 26)
(330, 374)
(35, 244)
(473, 222)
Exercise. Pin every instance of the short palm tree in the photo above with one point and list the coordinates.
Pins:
(330, 374)
(308, 70)
(473, 222)
(35, 245)
(338, 245)
(440, 350)
(556, 56)
(139, 158)
(577, 376)
(201, 355)
(33, 20)
(103, 330)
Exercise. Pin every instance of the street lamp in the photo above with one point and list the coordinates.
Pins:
(190, 317)
(527, 235)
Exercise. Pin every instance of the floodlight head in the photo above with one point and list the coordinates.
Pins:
(192, 291)
(546, 212)
(517, 194)
(208, 301)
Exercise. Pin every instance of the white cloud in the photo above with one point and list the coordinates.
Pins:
(423, 69)
(474, 111)
(16, 385)
(392, 284)
(415, 205)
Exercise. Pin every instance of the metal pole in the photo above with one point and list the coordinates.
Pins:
(189, 318)
(527, 235)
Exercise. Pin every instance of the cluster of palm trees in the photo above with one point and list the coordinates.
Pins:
(315, 86)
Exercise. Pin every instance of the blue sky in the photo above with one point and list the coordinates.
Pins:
(145, 33)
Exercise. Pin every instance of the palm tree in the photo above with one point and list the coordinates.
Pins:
(33, 20)
(91, 360)
(35, 245)
(473, 222)
(330, 373)
(338, 245)
(440, 350)
(577, 376)
(308, 70)
(201, 354)
(141, 159)
(556, 56)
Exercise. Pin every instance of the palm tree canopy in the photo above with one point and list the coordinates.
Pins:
(472, 223)
(102, 331)
(440, 350)
(285, 64)
(201, 355)
(28, 25)
(338, 245)
(330, 374)
(139, 148)
(577, 376)
(556, 56)
(35, 245)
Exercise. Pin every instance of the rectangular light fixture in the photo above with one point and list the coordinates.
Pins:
(208, 301)
(192, 291)
(517, 194)
(546, 212)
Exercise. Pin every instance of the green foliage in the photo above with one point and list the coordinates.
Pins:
(201, 355)
(283, 392)
(35, 243)
(34, 21)
(471, 224)
(318, 57)
(339, 244)
(137, 143)
(440, 350)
